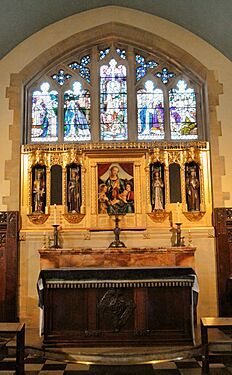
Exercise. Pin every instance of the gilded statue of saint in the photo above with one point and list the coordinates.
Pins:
(157, 191)
(74, 192)
(192, 190)
(39, 192)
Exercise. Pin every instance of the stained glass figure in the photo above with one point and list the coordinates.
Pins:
(44, 127)
(150, 112)
(121, 53)
(113, 101)
(165, 75)
(103, 53)
(182, 107)
(84, 71)
(77, 114)
(60, 78)
(141, 70)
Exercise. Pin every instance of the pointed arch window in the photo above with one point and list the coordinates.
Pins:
(115, 93)
(113, 101)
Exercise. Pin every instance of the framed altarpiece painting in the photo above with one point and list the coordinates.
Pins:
(116, 188)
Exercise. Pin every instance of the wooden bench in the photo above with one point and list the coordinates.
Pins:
(207, 357)
(16, 330)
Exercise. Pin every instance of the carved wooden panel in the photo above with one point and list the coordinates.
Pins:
(223, 228)
(8, 265)
(88, 311)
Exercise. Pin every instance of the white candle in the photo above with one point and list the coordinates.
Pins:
(55, 223)
(178, 212)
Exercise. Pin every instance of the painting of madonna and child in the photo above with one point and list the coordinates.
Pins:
(115, 188)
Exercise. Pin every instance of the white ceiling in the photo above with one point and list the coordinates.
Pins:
(209, 19)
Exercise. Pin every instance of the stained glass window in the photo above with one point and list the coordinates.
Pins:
(44, 127)
(61, 77)
(182, 108)
(84, 71)
(103, 53)
(141, 70)
(150, 112)
(147, 92)
(77, 114)
(121, 53)
(113, 101)
(165, 75)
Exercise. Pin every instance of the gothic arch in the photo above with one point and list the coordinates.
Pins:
(107, 32)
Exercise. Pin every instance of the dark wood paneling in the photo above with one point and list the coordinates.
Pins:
(223, 230)
(8, 266)
(160, 313)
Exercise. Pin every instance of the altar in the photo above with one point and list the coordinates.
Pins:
(118, 306)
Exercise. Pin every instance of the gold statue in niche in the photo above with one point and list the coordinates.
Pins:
(39, 190)
(157, 187)
(192, 187)
(74, 189)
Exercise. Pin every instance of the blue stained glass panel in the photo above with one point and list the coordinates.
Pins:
(103, 53)
(165, 75)
(141, 70)
(85, 60)
(151, 64)
(44, 115)
(61, 77)
(121, 52)
(74, 65)
(113, 101)
(84, 71)
(150, 112)
(77, 114)
(139, 59)
(182, 108)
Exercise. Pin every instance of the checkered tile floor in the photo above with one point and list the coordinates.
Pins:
(41, 366)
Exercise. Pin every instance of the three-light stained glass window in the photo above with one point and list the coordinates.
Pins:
(113, 101)
(44, 127)
(150, 112)
(183, 112)
(77, 114)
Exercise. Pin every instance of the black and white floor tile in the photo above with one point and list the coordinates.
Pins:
(41, 366)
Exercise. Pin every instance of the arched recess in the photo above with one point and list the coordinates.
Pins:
(103, 33)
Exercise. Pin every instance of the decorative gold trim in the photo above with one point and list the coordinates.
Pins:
(38, 218)
(158, 216)
(76, 284)
(194, 215)
(84, 147)
(74, 218)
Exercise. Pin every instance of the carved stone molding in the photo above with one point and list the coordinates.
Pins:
(38, 218)
(158, 216)
(74, 218)
(194, 215)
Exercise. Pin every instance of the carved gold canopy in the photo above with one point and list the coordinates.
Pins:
(139, 156)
